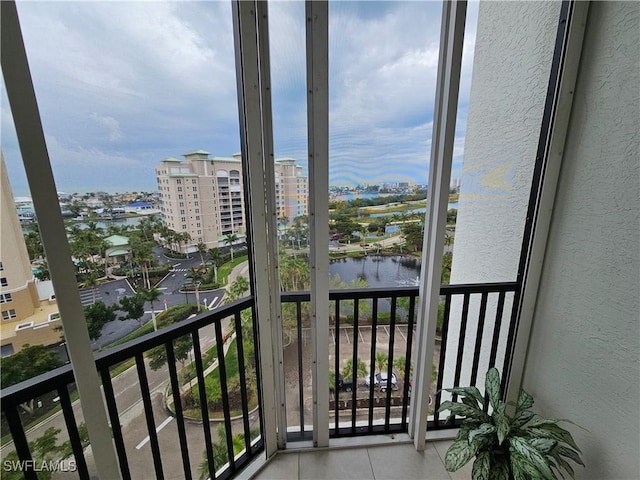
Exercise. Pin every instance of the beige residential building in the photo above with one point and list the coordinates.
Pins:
(29, 310)
(204, 196)
(292, 190)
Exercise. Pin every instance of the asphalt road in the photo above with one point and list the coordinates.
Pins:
(111, 292)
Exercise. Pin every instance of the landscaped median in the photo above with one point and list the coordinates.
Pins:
(190, 393)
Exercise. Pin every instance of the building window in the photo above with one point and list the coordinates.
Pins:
(3, 282)
(197, 210)
(5, 297)
(195, 189)
(181, 212)
(183, 219)
(179, 189)
(197, 217)
(195, 195)
(178, 181)
(9, 314)
(195, 204)
(193, 180)
(180, 197)
(182, 204)
(184, 227)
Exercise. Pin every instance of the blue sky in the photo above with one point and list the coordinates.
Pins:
(122, 85)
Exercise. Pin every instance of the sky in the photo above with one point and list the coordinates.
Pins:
(122, 85)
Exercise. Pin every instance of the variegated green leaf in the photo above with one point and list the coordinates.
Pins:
(562, 463)
(481, 466)
(463, 410)
(502, 421)
(543, 445)
(472, 392)
(553, 431)
(484, 429)
(524, 401)
(521, 418)
(492, 386)
(458, 454)
(569, 453)
(544, 421)
(518, 447)
(499, 471)
(470, 401)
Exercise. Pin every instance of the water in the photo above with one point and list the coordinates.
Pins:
(378, 270)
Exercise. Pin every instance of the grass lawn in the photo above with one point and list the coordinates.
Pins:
(225, 269)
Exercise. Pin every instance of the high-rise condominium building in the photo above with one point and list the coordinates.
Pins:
(29, 310)
(204, 196)
(291, 190)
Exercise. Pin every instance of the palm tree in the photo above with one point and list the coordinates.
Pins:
(201, 249)
(230, 239)
(152, 295)
(215, 256)
(92, 281)
(382, 359)
(238, 288)
(196, 278)
(361, 369)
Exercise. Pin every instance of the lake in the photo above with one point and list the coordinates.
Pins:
(378, 270)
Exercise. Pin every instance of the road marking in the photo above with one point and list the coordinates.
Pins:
(402, 333)
(177, 264)
(161, 288)
(212, 302)
(160, 427)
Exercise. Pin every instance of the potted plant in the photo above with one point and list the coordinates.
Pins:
(522, 446)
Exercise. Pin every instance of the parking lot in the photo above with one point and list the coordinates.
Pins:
(345, 340)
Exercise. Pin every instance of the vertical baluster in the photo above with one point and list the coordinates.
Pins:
(243, 381)
(177, 404)
(225, 395)
(443, 352)
(354, 392)
(20, 442)
(72, 429)
(496, 330)
(463, 333)
(116, 429)
(392, 339)
(407, 364)
(508, 349)
(197, 358)
(148, 412)
(374, 335)
(479, 335)
(300, 367)
(336, 362)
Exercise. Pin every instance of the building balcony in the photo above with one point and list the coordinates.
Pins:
(169, 409)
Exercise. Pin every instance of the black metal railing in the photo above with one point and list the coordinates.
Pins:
(383, 321)
(135, 351)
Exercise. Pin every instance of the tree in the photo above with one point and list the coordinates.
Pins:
(201, 249)
(361, 369)
(196, 278)
(92, 282)
(230, 239)
(238, 288)
(133, 305)
(413, 234)
(98, 315)
(215, 256)
(152, 295)
(399, 364)
(181, 347)
(32, 360)
(382, 360)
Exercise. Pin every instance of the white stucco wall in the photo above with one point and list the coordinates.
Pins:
(583, 357)
(512, 62)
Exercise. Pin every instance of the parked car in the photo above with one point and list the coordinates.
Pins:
(380, 380)
(345, 384)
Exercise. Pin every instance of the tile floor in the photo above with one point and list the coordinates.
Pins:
(393, 461)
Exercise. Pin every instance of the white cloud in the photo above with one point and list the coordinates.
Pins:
(111, 124)
(158, 78)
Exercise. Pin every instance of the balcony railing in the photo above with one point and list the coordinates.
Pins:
(165, 341)
(372, 331)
